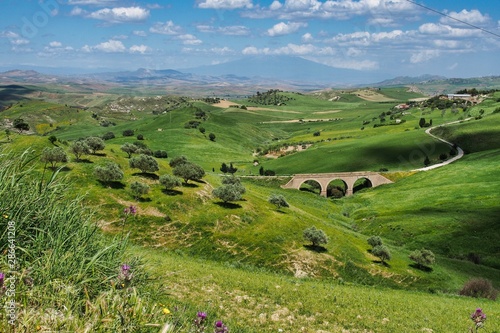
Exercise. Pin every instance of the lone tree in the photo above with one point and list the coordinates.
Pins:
(231, 169)
(129, 148)
(79, 148)
(178, 160)
(211, 136)
(278, 200)
(170, 181)
(139, 189)
(188, 171)
(382, 252)
(423, 258)
(223, 168)
(145, 163)
(53, 156)
(110, 172)
(95, 143)
(315, 236)
(21, 125)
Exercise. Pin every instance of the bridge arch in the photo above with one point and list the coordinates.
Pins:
(336, 188)
(311, 185)
(361, 183)
(370, 179)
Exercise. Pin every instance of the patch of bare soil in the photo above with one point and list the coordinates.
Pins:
(288, 149)
(306, 263)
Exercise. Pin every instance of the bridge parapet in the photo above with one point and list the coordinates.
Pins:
(349, 178)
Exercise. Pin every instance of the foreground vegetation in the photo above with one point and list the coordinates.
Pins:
(245, 261)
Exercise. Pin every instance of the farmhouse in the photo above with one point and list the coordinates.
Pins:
(459, 96)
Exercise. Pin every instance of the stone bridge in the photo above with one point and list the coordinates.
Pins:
(349, 178)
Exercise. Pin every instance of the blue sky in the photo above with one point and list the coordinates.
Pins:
(393, 37)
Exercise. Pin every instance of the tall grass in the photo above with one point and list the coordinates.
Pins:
(64, 266)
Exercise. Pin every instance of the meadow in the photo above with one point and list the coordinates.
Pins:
(246, 262)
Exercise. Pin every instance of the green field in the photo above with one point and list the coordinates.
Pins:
(246, 261)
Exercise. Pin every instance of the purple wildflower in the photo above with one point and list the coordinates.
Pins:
(125, 273)
(220, 327)
(202, 315)
(478, 317)
(199, 322)
(2, 278)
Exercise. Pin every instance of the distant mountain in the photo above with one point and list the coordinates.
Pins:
(407, 80)
(285, 68)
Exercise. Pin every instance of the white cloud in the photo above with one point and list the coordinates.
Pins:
(283, 28)
(290, 49)
(167, 28)
(19, 41)
(9, 34)
(349, 63)
(424, 56)
(275, 5)
(335, 9)
(473, 16)
(111, 46)
(55, 44)
(90, 2)
(446, 30)
(142, 49)
(189, 39)
(77, 11)
(234, 30)
(225, 4)
(140, 33)
(307, 38)
(120, 14)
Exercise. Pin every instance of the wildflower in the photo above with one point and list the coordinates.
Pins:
(125, 275)
(130, 210)
(5, 216)
(166, 311)
(478, 317)
(220, 327)
(199, 322)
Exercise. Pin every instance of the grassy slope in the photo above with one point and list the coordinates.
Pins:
(253, 234)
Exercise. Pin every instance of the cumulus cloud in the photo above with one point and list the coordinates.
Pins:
(307, 37)
(90, 2)
(139, 33)
(225, 4)
(334, 9)
(55, 44)
(446, 30)
(473, 16)
(111, 46)
(424, 56)
(142, 49)
(283, 28)
(14, 38)
(167, 28)
(189, 39)
(120, 14)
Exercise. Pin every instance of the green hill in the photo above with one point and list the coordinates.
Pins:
(231, 257)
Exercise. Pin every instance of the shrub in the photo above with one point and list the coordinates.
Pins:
(189, 171)
(192, 124)
(108, 136)
(315, 236)
(178, 160)
(128, 132)
(443, 156)
(160, 154)
(129, 148)
(278, 200)
(52, 139)
(228, 193)
(317, 133)
(211, 136)
(479, 288)
(140, 137)
(79, 148)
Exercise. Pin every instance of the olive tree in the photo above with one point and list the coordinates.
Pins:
(188, 171)
(228, 193)
(170, 181)
(423, 258)
(110, 172)
(278, 200)
(145, 163)
(315, 236)
(95, 143)
(53, 156)
(139, 189)
(129, 148)
(79, 148)
(382, 252)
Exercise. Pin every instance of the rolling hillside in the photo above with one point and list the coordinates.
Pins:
(248, 252)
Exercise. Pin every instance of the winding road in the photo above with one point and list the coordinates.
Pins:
(460, 152)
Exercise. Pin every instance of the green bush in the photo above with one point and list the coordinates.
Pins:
(382, 252)
(315, 236)
(374, 241)
(423, 258)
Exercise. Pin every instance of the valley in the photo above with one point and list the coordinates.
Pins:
(244, 259)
